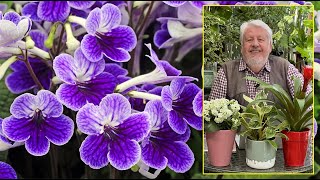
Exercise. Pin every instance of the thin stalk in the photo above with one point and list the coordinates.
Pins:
(60, 40)
(54, 170)
(32, 74)
(112, 172)
(145, 19)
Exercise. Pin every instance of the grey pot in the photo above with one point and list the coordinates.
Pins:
(260, 154)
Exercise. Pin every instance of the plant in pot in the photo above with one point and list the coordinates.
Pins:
(260, 119)
(297, 113)
(221, 122)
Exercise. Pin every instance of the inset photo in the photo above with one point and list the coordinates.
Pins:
(258, 89)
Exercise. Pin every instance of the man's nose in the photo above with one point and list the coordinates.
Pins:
(255, 43)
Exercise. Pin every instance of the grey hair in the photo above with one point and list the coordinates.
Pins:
(258, 23)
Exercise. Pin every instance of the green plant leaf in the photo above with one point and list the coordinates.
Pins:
(273, 143)
(6, 98)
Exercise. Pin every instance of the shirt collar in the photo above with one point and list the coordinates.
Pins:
(243, 66)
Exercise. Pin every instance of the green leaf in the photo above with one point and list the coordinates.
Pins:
(6, 98)
(3, 155)
(273, 143)
(211, 127)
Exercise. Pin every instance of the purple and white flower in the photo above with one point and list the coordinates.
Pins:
(164, 147)
(53, 11)
(13, 28)
(177, 99)
(84, 81)
(37, 120)
(197, 104)
(106, 37)
(113, 133)
(164, 72)
(7, 172)
(5, 143)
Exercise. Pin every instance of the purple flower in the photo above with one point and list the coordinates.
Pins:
(163, 72)
(84, 81)
(264, 3)
(197, 104)
(106, 36)
(20, 80)
(113, 133)
(138, 103)
(228, 2)
(53, 11)
(6, 171)
(197, 4)
(13, 28)
(6, 143)
(177, 99)
(37, 121)
(163, 146)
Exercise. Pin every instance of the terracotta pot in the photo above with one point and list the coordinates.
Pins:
(220, 145)
(295, 148)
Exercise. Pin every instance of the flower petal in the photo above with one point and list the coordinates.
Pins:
(175, 3)
(177, 87)
(24, 26)
(115, 70)
(89, 119)
(136, 126)
(185, 100)
(81, 4)
(116, 107)
(117, 55)
(19, 82)
(161, 37)
(39, 37)
(17, 129)
(197, 104)
(93, 21)
(53, 10)
(94, 150)
(84, 69)
(179, 155)
(48, 103)
(91, 48)
(166, 98)
(111, 17)
(152, 157)
(158, 115)
(166, 133)
(13, 17)
(23, 106)
(29, 10)
(58, 130)
(63, 68)
(124, 153)
(37, 144)
(7, 172)
(9, 33)
(70, 96)
(177, 122)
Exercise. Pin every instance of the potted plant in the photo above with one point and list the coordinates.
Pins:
(221, 122)
(260, 121)
(297, 113)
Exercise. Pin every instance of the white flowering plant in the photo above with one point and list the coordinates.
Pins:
(221, 114)
(261, 119)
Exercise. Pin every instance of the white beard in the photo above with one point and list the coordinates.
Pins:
(256, 62)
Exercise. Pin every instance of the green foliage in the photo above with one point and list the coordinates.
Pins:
(296, 112)
(260, 118)
(292, 31)
(6, 98)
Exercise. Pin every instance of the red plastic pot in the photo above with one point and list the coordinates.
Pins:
(295, 148)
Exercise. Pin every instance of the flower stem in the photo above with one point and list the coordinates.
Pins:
(145, 19)
(53, 154)
(6, 64)
(78, 20)
(112, 172)
(32, 74)
(143, 95)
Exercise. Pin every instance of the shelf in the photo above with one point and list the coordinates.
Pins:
(238, 164)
